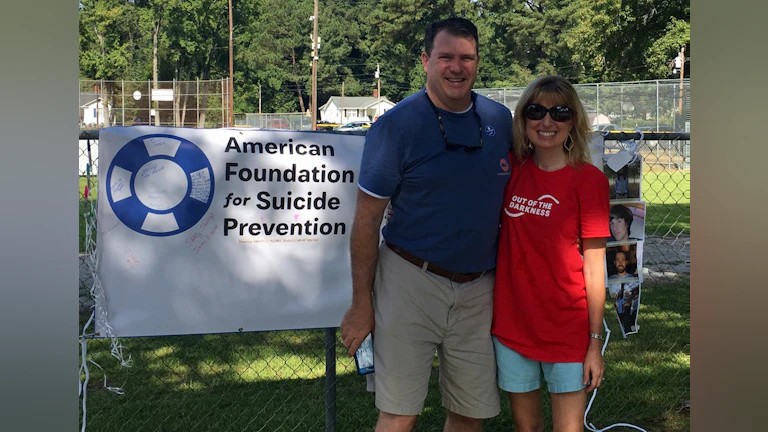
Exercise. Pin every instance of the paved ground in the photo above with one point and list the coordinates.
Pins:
(666, 259)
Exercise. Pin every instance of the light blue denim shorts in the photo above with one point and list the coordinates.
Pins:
(518, 374)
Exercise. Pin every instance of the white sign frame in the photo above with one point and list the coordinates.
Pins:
(161, 279)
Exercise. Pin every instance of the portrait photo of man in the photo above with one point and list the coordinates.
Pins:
(627, 222)
(623, 263)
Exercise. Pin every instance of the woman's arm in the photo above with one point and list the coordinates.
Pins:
(594, 277)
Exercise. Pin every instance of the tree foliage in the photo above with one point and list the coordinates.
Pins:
(583, 40)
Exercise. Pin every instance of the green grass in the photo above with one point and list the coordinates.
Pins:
(668, 199)
(274, 381)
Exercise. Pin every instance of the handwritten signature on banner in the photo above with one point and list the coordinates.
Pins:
(150, 170)
(132, 261)
(157, 142)
(105, 232)
(201, 237)
(117, 185)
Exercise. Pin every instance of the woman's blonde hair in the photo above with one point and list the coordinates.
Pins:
(560, 92)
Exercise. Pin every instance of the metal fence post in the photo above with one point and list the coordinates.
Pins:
(330, 379)
(621, 106)
(149, 99)
(669, 155)
(657, 105)
(197, 102)
(597, 98)
(222, 101)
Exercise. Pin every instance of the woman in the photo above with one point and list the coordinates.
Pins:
(548, 301)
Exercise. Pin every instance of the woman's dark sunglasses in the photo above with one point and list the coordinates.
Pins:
(560, 113)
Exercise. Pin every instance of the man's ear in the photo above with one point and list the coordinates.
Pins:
(424, 59)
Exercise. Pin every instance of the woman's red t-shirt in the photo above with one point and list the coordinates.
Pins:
(540, 301)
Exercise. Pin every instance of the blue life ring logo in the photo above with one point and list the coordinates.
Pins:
(160, 185)
(490, 131)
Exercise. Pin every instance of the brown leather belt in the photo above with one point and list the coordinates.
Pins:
(456, 277)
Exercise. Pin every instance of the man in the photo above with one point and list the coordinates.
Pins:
(629, 325)
(620, 306)
(622, 182)
(620, 223)
(440, 157)
(620, 261)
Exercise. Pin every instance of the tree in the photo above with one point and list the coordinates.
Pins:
(156, 12)
(273, 51)
(111, 45)
(583, 40)
(396, 39)
(623, 40)
(527, 39)
(195, 32)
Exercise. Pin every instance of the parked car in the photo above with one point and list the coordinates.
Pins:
(278, 123)
(326, 125)
(354, 126)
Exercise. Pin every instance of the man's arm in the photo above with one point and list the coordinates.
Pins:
(358, 321)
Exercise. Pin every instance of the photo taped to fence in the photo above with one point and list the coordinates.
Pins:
(623, 263)
(624, 184)
(625, 299)
(626, 222)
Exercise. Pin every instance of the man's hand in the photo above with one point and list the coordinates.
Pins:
(364, 254)
(358, 321)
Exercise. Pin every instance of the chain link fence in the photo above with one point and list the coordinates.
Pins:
(198, 104)
(292, 121)
(659, 105)
(302, 380)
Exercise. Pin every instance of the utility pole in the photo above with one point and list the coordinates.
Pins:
(259, 98)
(231, 78)
(341, 117)
(315, 49)
(378, 92)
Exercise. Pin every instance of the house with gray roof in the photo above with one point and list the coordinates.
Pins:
(353, 108)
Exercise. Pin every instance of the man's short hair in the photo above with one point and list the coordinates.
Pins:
(455, 26)
(622, 212)
(616, 254)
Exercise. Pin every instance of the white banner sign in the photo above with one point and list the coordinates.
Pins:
(225, 230)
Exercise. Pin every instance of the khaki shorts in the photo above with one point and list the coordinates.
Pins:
(418, 312)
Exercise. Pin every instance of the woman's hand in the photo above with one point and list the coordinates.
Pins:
(594, 274)
(594, 367)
